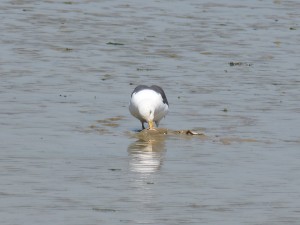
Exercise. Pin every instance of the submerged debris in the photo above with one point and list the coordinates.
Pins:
(161, 133)
(114, 43)
(113, 169)
(239, 64)
(190, 132)
(103, 209)
(187, 132)
(145, 69)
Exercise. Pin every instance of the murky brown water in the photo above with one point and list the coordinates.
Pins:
(68, 153)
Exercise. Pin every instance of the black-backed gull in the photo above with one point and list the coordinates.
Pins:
(148, 104)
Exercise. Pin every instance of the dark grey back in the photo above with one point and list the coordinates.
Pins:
(155, 88)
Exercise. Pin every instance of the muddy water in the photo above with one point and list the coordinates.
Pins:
(68, 150)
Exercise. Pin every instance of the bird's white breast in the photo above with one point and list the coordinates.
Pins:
(148, 98)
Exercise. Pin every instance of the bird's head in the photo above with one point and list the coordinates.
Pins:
(147, 112)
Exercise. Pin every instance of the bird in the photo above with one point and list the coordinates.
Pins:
(149, 105)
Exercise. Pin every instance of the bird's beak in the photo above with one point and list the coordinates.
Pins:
(151, 125)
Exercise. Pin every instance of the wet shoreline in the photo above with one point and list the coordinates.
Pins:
(69, 153)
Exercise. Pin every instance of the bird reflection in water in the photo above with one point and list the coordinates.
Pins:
(146, 156)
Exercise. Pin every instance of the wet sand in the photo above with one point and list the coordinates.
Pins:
(69, 153)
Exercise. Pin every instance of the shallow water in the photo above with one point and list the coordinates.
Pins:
(68, 153)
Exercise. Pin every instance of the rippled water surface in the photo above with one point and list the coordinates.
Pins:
(68, 150)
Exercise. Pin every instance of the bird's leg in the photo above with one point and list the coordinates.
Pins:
(143, 125)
